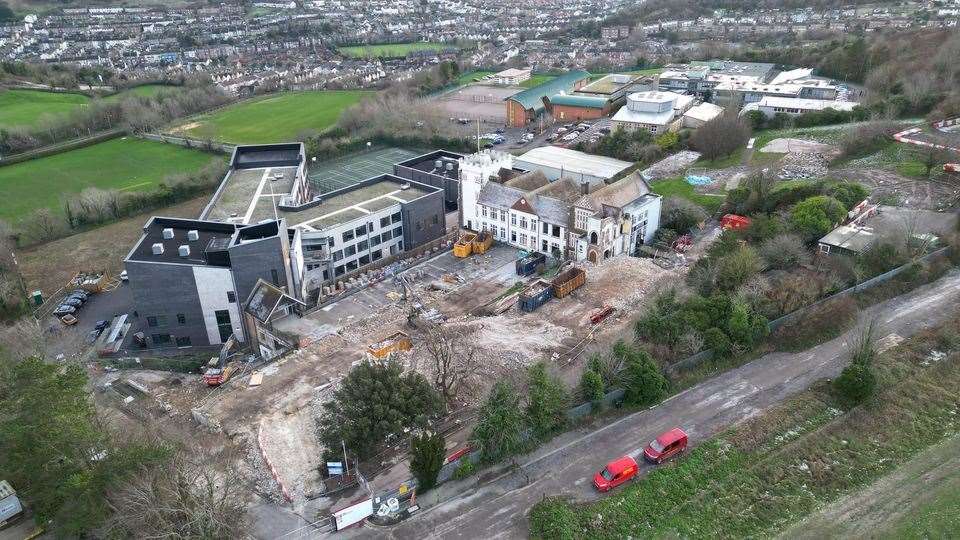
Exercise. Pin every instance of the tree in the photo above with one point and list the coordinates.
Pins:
(783, 251)
(454, 356)
(849, 194)
(184, 497)
(426, 459)
(643, 383)
(6, 14)
(591, 386)
(718, 342)
(857, 381)
(499, 429)
(375, 403)
(54, 448)
(736, 267)
(756, 118)
(745, 326)
(816, 216)
(681, 215)
(721, 136)
(547, 401)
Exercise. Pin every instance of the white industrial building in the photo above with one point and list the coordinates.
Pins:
(556, 162)
(771, 105)
(512, 76)
(699, 115)
(656, 112)
(569, 216)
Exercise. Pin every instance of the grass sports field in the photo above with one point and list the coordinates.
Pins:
(536, 80)
(25, 107)
(124, 164)
(391, 50)
(273, 119)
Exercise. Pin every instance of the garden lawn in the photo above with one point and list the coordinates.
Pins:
(273, 119)
(25, 107)
(147, 90)
(678, 187)
(123, 164)
(391, 50)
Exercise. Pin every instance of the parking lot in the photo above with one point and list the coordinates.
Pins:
(102, 306)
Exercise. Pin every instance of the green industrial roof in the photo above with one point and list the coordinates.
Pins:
(532, 98)
(591, 102)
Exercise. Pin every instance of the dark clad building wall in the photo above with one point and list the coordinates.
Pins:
(167, 290)
(429, 211)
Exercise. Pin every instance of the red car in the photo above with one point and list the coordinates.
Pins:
(615, 473)
(666, 446)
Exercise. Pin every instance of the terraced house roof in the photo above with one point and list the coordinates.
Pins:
(532, 98)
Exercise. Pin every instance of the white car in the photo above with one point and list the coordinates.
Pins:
(571, 136)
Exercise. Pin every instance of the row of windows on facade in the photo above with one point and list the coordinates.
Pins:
(362, 245)
(373, 256)
(521, 238)
(384, 222)
(224, 327)
(552, 230)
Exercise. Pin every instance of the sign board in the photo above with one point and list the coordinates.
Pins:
(334, 467)
(353, 514)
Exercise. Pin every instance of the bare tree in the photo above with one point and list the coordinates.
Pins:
(189, 496)
(454, 358)
(721, 136)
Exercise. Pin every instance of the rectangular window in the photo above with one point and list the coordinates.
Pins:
(436, 219)
(364, 260)
(384, 221)
(396, 218)
(224, 325)
(330, 241)
(398, 232)
(523, 239)
(513, 236)
(361, 230)
(351, 250)
(523, 223)
(483, 211)
(503, 216)
(161, 339)
(183, 341)
(231, 297)
(556, 231)
(352, 265)
(181, 318)
(375, 240)
(546, 228)
(348, 236)
(361, 245)
(326, 275)
(338, 254)
(274, 277)
(151, 321)
(339, 271)
(513, 219)
(376, 255)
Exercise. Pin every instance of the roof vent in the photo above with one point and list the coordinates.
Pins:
(158, 249)
(167, 233)
(193, 236)
(184, 250)
(450, 166)
(437, 164)
(404, 186)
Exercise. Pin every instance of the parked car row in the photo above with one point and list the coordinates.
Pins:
(618, 471)
(70, 305)
(568, 132)
(97, 330)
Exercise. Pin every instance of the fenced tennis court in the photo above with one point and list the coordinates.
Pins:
(348, 170)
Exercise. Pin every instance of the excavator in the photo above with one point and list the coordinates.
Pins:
(220, 368)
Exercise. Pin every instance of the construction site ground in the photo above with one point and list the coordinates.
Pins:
(277, 418)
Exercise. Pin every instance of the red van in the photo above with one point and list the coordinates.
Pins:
(615, 473)
(666, 446)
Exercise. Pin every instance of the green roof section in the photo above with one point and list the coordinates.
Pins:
(532, 98)
(590, 102)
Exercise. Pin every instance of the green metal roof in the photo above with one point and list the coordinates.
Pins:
(532, 98)
(591, 102)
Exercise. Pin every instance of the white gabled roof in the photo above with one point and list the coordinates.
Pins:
(704, 112)
(573, 161)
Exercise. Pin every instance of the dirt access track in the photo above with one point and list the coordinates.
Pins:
(498, 508)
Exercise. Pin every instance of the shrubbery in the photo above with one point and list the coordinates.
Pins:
(816, 216)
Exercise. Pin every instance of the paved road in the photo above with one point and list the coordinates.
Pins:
(498, 509)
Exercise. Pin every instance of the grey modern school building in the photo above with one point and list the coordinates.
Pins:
(189, 278)
(266, 221)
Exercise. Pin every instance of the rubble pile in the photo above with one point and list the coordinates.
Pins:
(802, 165)
(670, 165)
(263, 482)
(625, 282)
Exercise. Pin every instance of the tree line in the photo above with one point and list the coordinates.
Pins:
(136, 114)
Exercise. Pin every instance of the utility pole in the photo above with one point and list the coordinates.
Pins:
(346, 465)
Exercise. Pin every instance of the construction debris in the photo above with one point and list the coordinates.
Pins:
(670, 166)
(802, 165)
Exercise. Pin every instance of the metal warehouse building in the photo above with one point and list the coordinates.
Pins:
(555, 162)
(527, 106)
